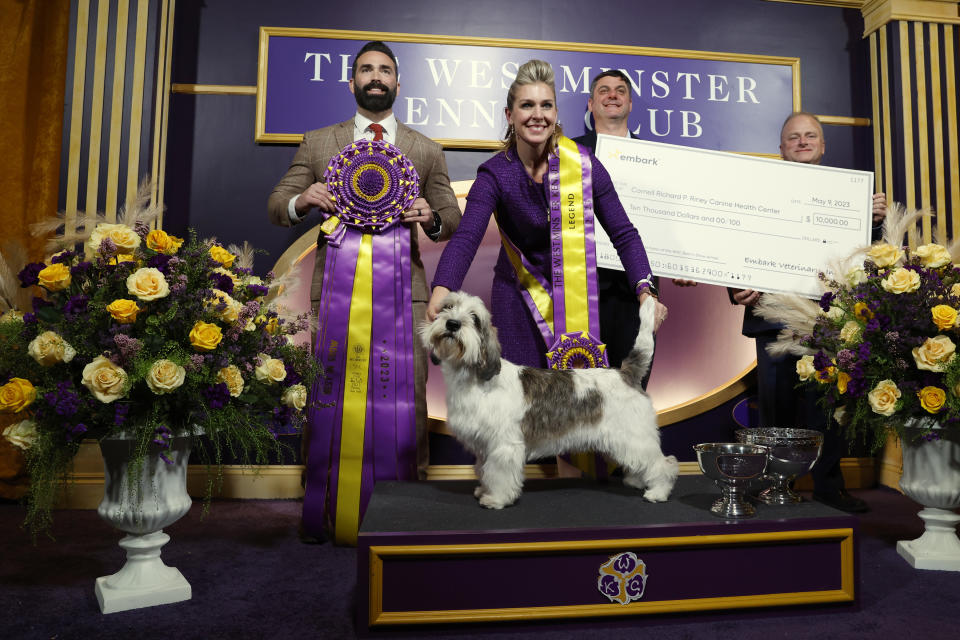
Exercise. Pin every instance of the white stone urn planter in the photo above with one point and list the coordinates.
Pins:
(931, 476)
(144, 581)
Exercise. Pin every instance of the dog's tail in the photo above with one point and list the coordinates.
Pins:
(637, 363)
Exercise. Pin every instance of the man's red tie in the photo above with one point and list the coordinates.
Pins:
(377, 131)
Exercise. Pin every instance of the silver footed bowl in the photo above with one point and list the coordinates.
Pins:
(732, 465)
(793, 452)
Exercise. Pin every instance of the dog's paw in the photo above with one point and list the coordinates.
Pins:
(490, 502)
(656, 494)
(478, 491)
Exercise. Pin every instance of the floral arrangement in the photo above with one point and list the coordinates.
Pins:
(880, 344)
(147, 335)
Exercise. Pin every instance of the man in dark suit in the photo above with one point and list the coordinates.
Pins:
(374, 86)
(610, 102)
(780, 404)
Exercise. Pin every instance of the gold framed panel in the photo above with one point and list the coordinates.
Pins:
(261, 136)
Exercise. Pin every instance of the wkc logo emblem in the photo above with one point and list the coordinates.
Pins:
(623, 578)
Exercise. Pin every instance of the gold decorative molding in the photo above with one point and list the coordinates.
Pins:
(846, 4)
(877, 13)
(213, 89)
(844, 121)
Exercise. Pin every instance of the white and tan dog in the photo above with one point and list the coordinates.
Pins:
(506, 414)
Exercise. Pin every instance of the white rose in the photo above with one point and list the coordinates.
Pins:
(850, 332)
(295, 396)
(23, 434)
(935, 353)
(834, 314)
(165, 376)
(105, 380)
(49, 348)
(856, 276)
(123, 236)
(883, 398)
(270, 369)
(901, 280)
(805, 368)
(148, 284)
(932, 256)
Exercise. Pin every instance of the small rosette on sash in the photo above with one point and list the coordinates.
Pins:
(577, 350)
(372, 183)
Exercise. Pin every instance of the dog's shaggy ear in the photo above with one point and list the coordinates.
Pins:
(489, 365)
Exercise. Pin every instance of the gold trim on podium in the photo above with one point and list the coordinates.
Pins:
(377, 616)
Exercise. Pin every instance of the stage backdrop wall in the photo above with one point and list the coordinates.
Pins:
(218, 178)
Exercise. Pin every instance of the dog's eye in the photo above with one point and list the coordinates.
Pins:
(476, 321)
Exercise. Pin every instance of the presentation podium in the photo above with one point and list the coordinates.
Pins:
(428, 554)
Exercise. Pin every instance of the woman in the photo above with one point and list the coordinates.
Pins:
(515, 185)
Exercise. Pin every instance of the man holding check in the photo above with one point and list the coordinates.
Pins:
(801, 140)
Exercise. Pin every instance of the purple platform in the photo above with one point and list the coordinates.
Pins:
(429, 554)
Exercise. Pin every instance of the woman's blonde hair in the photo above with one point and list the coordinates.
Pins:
(531, 72)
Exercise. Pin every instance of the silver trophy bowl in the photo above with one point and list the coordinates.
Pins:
(793, 452)
(732, 465)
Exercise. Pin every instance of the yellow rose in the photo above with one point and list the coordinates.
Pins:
(932, 256)
(944, 316)
(295, 396)
(862, 311)
(935, 353)
(23, 434)
(827, 375)
(205, 336)
(165, 376)
(231, 377)
(148, 284)
(850, 333)
(932, 398)
(270, 370)
(50, 348)
(159, 241)
(842, 380)
(124, 311)
(231, 310)
(17, 395)
(805, 368)
(124, 257)
(105, 380)
(901, 281)
(273, 326)
(125, 238)
(885, 255)
(56, 277)
(222, 256)
(883, 398)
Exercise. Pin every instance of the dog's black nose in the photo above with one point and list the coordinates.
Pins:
(453, 325)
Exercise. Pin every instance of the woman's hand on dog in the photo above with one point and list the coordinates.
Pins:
(659, 312)
(436, 302)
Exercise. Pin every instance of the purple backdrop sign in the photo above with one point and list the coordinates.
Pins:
(453, 89)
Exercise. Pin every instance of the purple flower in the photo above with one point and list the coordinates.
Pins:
(129, 347)
(223, 282)
(217, 395)
(141, 228)
(120, 411)
(825, 300)
(63, 400)
(76, 304)
(257, 290)
(81, 268)
(28, 275)
(76, 431)
(160, 262)
(107, 247)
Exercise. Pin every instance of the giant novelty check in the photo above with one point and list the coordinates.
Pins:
(735, 220)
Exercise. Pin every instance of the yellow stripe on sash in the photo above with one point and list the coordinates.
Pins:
(574, 238)
(540, 296)
(355, 397)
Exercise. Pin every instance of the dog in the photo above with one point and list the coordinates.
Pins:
(507, 415)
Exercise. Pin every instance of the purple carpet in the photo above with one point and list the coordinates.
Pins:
(253, 578)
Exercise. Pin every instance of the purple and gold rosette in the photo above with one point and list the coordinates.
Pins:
(577, 350)
(372, 183)
(363, 428)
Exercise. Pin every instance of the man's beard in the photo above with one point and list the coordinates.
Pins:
(375, 102)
